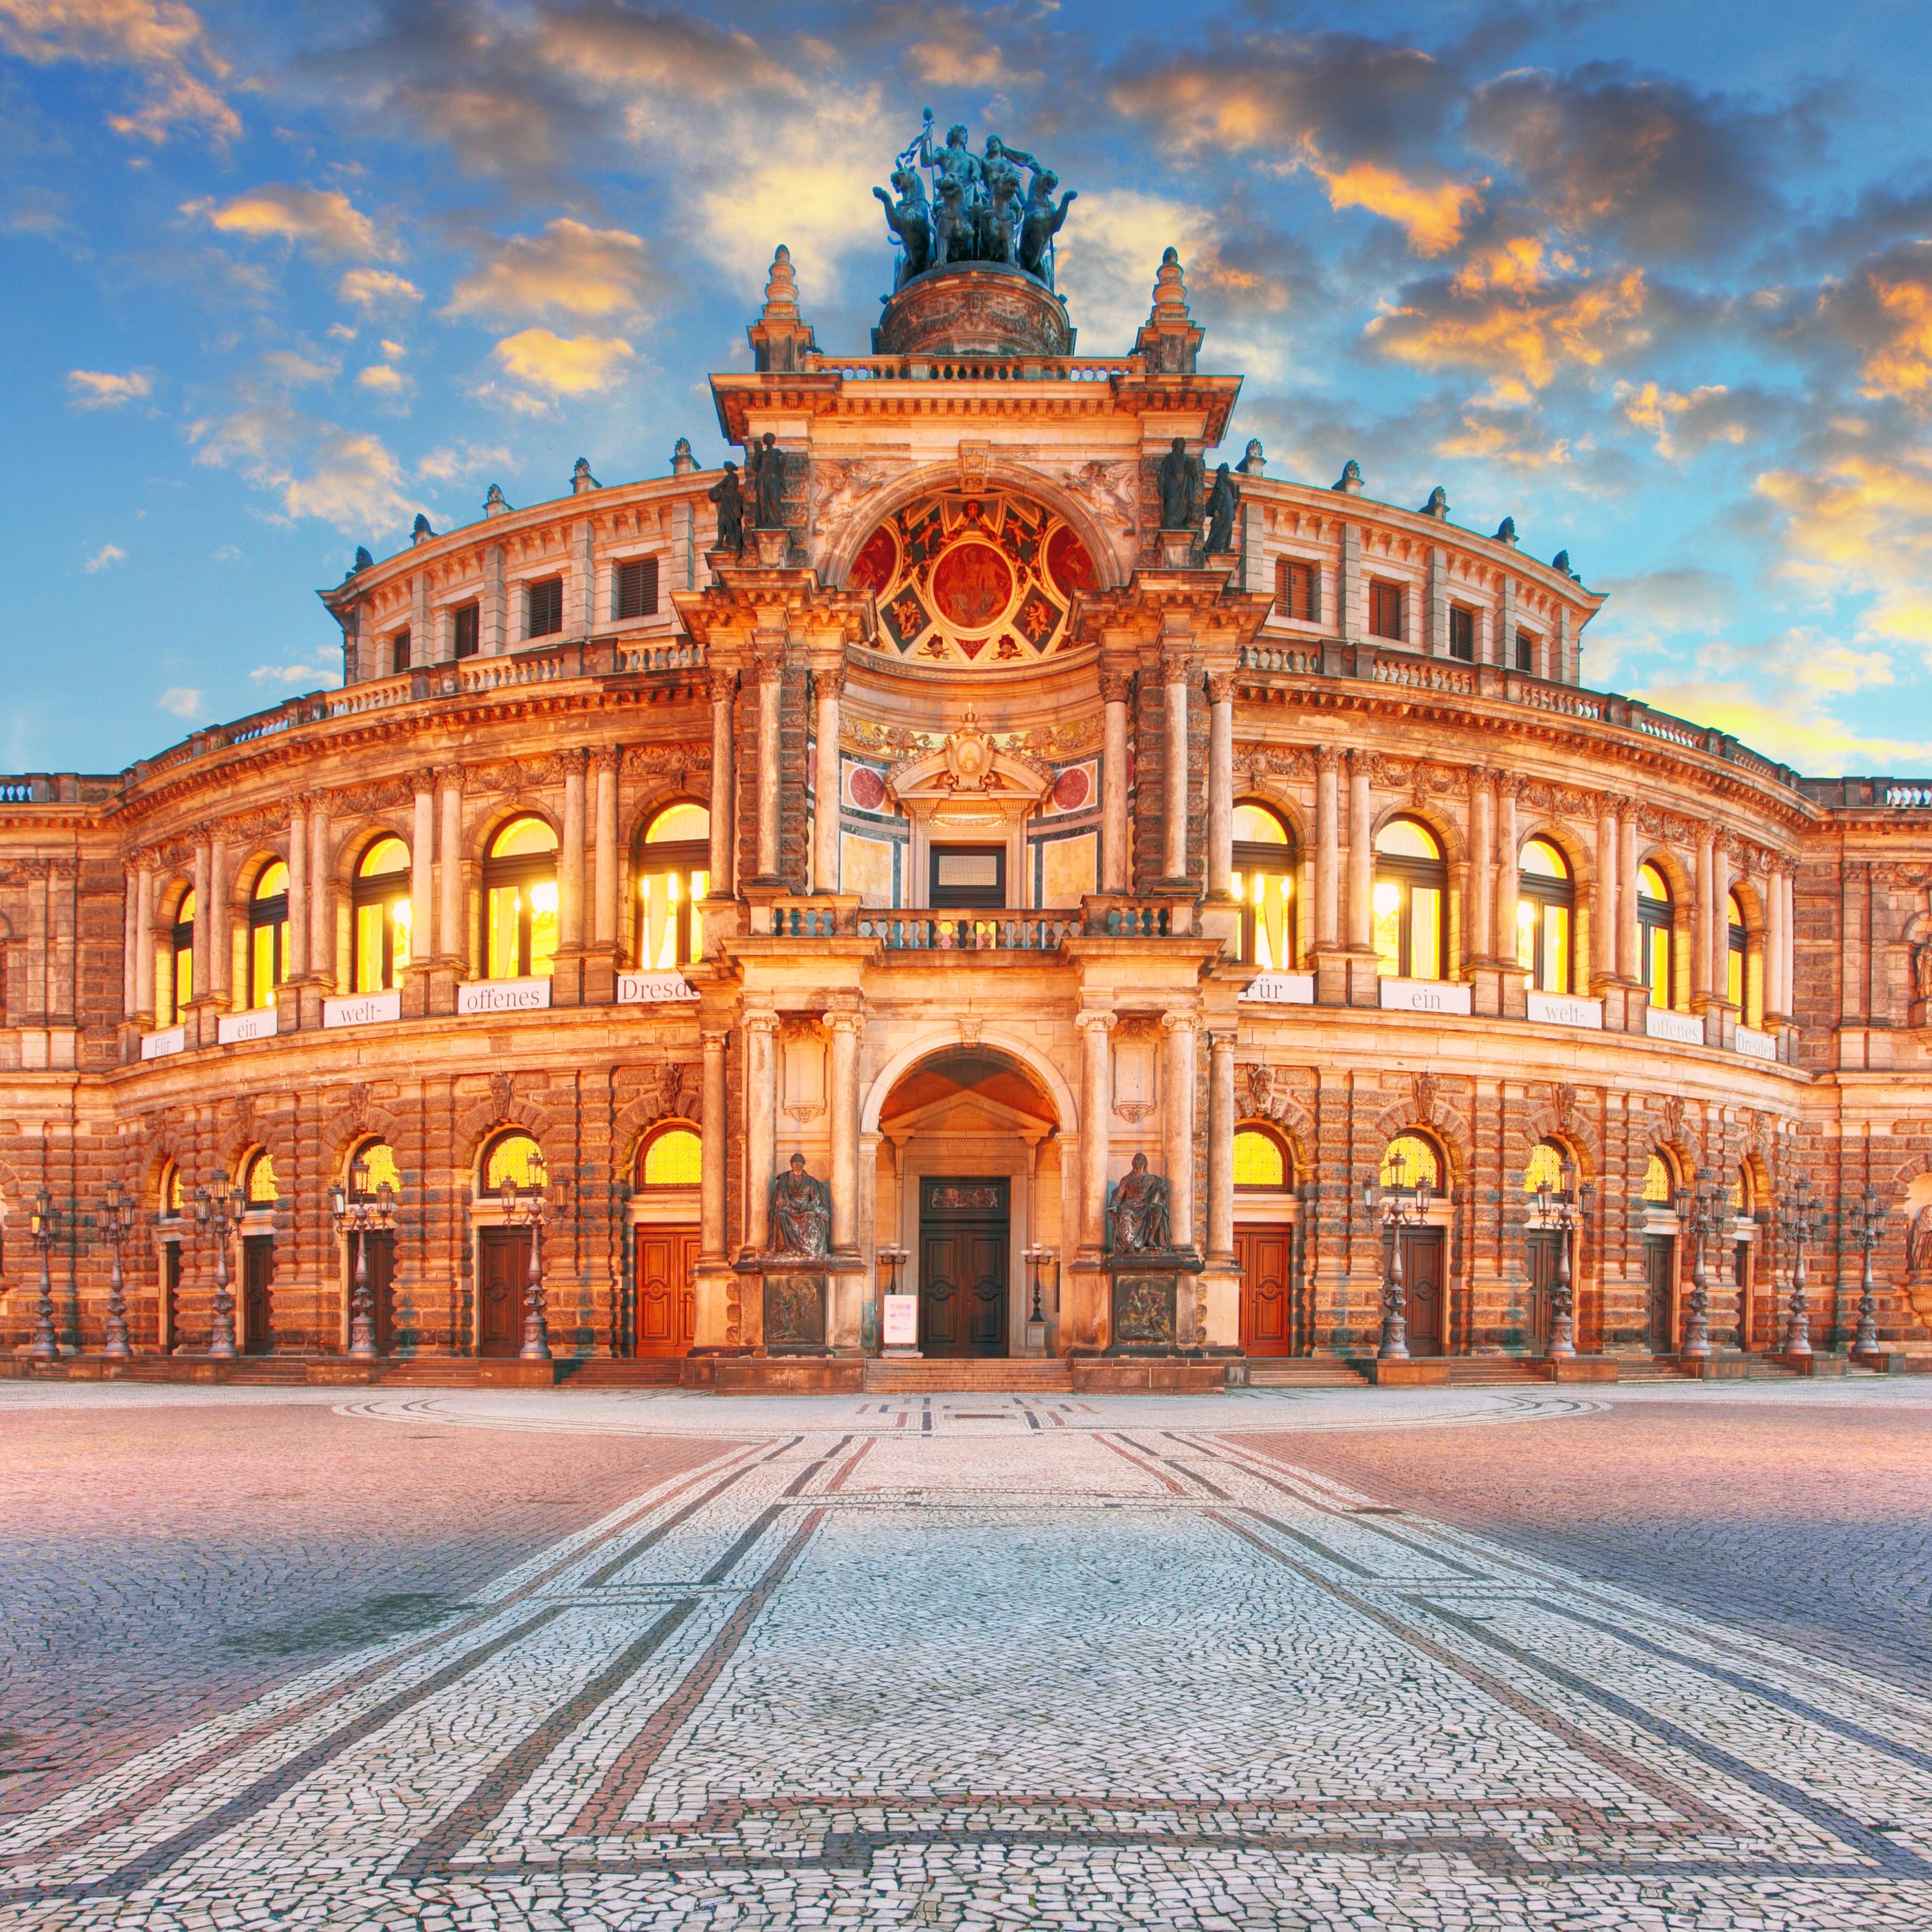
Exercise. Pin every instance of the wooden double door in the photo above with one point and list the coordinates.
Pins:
(258, 1307)
(502, 1279)
(1660, 1268)
(1424, 1292)
(964, 1227)
(1270, 1319)
(665, 1260)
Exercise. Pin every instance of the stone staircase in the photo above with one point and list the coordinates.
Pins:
(606, 1372)
(1467, 1370)
(1304, 1372)
(981, 1376)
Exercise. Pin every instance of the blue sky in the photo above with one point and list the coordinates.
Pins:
(1655, 280)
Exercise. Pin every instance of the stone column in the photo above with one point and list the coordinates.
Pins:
(1327, 847)
(761, 1114)
(452, 944)
(1116, 841)
(770, 669)
(1361, 857)
(422, 872)
(1630, 964)
(1508, 870)
(570, 858)
(1481, 924)
(1778, 891)
(1220, 782)
(321, 895)
(1221, 1148)
(130, 893)
(1174, 670)
(144, 943)
(299, 947)
(724, 790)
(1604, 911)
(1700, 922)
(1437, 643)
(1096, 1108)
(846, 1029)
(828, 683)
(1348, 598)
(1179, 1124)
(603, 926)
(220, 980)
(1720, 919)
(715, 1146)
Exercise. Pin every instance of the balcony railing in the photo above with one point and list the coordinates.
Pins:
(971, 932)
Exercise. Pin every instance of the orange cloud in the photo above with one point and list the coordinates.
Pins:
(569, 270)
(163, 40)
(564, 365)
(1903, 366)
(1433, 217)
(323, 220)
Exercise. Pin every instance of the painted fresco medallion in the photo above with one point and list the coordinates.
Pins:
(978, 579)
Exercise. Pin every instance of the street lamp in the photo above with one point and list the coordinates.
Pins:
(1564, 1207)
(1037, 1258)
(1401, 1205)
(1863, 1221)
(218, 1213)
(1702, 1210)
(43, 1230)
(360, 1211)
(524, 1207)
(117, 1219)
(1801, 1216)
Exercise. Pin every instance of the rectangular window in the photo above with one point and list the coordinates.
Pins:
(1461, 633)
(1526, 651)
(399, 653)
(267, 949)
(636, 589)
(1295, 592)
(1734, 971)
(1425, 933)
(464, 629)
(969, 875)
(543, 607)
(1657, 946)
(1385, 610)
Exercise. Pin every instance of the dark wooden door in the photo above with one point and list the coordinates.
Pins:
(258, 1317)
(963, 1234)
(381, 1263)
(503, 1271)
(1660, 1267)
(666, 1303)
(1423, 1289)
(1544, 1248)
(1266, 1257)
(1740, 1255)
(171, 1337)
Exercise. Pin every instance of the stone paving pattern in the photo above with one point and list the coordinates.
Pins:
(1272, 1661)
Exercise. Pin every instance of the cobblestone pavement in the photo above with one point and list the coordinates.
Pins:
(988, 1661)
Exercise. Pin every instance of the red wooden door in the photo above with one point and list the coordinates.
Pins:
(503, 1270)
(667, 1302)
(1660, 1264)
(380, 1253)
(170, 1337)
(258, 1317)
(1265, 1257)
(1423, 1288)
(1542, 1259)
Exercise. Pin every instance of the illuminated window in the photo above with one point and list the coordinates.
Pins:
(1660, 1183)
(1411, 894)
(378, 1160)
(674, 1156)
(268, 934)
(1264, 884)
(509, 1159)
(673, 876)
(1408, 1160)
(260, 1186)
(1656, 931)
(1543, 912)
(1545, 1167)
(1259, 1161)
(520, 900)
(380, 935)
(177, 975)
(1734, 958)
(173, 1193)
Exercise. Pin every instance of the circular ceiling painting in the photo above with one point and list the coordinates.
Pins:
(986, 580)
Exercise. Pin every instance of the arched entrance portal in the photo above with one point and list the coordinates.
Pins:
(968, 1179)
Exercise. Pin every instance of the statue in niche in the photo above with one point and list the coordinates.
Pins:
(910, 219)
(1918, 1244)
(1138, 1212)
(1921, 972)
(768, 482)
(801, 1217)
(1179, 497)
(1223, 500)
(730, 498)
(1040, 221)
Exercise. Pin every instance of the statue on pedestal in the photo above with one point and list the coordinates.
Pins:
(1040, 221)
(730, 501)
(1223, 500)
(1180, 501)
(910, 219)
(768, 481)
(1137, 1212)
(801, 1216)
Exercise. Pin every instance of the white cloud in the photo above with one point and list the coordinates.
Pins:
(379, 376)
(467, 460)
(564, 365)
(323, 220)
(106, 554)
(290, 674)
(344, 477)
(100, 389)
(1108, 254)
(570, 270)
(182, 702)
(376, 288)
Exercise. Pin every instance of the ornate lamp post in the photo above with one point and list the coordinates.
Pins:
(1864, 1223)
(1039, 1258)
(1801, 1215)
(1702, 1210)
(218, 1213)
(43, 1230)
(1563, 1208)
(524, 1208)
(117, 1221)
(360, 1211)
(892, 1258)
(1400, 1204)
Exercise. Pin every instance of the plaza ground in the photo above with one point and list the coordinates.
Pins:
(1442, 1658)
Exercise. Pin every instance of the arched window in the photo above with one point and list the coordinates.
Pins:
(1408, 1160)
(1410, 896)
(1738, 942)
(1546, 901)
(380, 944)
(259, 1186)
(373, 1165)
(1545, 1167)
(173, 1192)
(267, 933)
(1260, 1160)
(514, 1157)
(520, 904)
(672, 1156)
(1656, 930)
(1264, 884)
(177, 976)
(674, 874)
(1659, 1181)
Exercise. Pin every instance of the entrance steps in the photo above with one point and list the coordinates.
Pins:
(1303, 1372)
(979, 1376)
(1465, 1370)
(611, 1372)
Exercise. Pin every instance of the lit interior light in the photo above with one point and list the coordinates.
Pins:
(1388, 898)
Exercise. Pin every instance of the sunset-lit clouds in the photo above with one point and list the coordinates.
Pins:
(1681, 423)
(101, 389)
(376, 288)
(311, 468)
(569, 271)
(564, 365)
(1433, 217)
(323, 220)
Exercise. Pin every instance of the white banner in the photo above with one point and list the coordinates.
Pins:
(1281, 989)
(1686, 1029)
(362, 1008)
(1565, 1009)
(260, 1023)
(1758, 1045)
(645, 989)
(1424, 996)
(502, 996)
(159, 1045)
(901, 1321)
